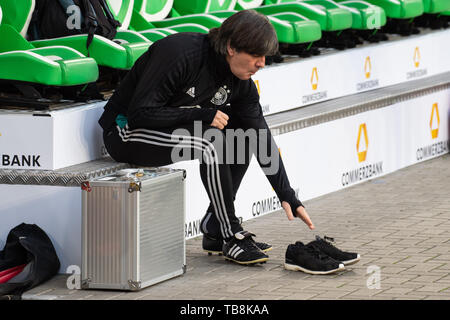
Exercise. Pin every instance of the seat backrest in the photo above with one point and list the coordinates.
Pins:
(153, 10)
(12, 40)
(248, 4)
(435, 6)
(122, 11)
(18, 14)
(184, 7)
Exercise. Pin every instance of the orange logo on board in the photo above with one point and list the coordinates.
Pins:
(257, 86)
(367, 67)
(435, 114)
(416, 57)
(315, 78)
(362, 153)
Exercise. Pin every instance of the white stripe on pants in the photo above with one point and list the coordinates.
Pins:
(213, 175)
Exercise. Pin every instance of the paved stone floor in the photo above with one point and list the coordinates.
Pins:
(399, 223)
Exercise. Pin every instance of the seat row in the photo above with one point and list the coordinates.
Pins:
(65, 61)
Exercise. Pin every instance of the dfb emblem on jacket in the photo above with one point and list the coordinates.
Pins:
(220, 96)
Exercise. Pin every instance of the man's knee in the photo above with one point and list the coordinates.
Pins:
(231, 145)
(200, 141)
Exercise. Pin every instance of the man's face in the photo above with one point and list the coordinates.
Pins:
(244, 65)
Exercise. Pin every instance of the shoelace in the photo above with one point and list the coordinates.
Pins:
(315, 252)
(326, 240)
(248, 243)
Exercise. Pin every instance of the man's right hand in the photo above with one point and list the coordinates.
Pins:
(220, 120)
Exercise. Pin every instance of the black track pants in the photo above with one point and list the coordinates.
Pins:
(209, 224)
(161, 147)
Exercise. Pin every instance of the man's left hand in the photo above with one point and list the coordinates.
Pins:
(300, 213)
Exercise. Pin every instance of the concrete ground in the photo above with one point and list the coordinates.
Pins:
(399, 223)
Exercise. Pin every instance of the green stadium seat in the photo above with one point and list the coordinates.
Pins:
(123, 12)
(53, 65)
(106, 53)
(368, 19)
(436, 6)
(121, 53)
(366, 16)
(248, 4)
(290, 28)
(202, 6)
(400, 14)
(18, 14)
(360, 12)
(335, 20)
(204, 20)
(211, 14)
(400, 9)
(434, 16)
(153, 10)
(330, 15)
(148, 14)
(155, 34)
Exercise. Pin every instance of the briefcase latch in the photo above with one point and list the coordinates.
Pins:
(86, 186)
(134, 186)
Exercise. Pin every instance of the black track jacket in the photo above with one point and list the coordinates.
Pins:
(184, 70)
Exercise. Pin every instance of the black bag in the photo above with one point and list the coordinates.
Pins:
(53, 19)
(29, 245)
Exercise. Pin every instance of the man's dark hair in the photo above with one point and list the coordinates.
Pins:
(247, 31)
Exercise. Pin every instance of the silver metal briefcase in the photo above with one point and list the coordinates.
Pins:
(133, 229)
